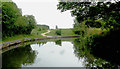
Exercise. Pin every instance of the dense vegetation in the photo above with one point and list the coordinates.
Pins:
(0, 13)
(13, 23)
(98, 26)
(17, 26)
(101, 15)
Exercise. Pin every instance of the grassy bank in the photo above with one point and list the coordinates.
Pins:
(64, 32)
(34, 34)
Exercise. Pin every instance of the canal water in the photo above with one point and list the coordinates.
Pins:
(52, 53)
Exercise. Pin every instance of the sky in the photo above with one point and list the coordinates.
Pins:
(46, 13)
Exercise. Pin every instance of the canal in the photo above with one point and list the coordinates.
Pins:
(53, 53)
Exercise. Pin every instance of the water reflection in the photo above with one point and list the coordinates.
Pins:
(52, 55)
(18, 57)
(58, 42)
(108, 47)
(97, 56)
(43, 54)
(41, 43)
(62, 52)
(67, 54)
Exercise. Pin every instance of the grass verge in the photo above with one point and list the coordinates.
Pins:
(34, 34)
(64, 32)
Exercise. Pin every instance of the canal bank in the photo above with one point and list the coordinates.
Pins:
(7, 44)
(45, 37)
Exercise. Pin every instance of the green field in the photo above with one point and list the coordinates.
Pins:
(64, 32)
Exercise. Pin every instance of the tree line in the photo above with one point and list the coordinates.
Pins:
(13, 22)
(42, 27)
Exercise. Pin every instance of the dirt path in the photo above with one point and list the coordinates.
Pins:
(44, 34)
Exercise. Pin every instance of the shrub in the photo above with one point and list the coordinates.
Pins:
(58, 32)
(76, 32)
(39, 29)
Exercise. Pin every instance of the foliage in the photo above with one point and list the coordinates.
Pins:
(0, 22)
(58, 32)
(13, 23)
(0, 13)
(107, 12)
(42, 27)
(90, 18)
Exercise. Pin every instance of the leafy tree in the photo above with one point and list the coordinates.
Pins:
(30, 20)
(9, 18)
(83, 11)
(101, 14)
(13, 23)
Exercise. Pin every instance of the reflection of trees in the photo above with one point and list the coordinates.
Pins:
(108, 47)
(81, 50)
(19, 56)
(42, 43)
(58, 42)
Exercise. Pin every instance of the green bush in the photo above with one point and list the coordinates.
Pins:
(39, 29)
(58, 32)
(77, 32)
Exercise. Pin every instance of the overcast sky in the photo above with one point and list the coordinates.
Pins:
(45, 12)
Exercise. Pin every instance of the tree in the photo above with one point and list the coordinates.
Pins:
(83, 11)
(9, 18)
(13, 23)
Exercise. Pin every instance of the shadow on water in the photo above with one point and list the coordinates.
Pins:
(24, 55)
(18, 57)
(108, 47)
(104, 52)
(101, 53)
